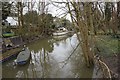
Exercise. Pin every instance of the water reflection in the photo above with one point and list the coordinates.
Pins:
(47, 60)
(79, 68)
(44, 44)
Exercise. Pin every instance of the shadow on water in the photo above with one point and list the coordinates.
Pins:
(48, 60)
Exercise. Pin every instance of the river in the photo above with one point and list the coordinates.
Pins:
(50, 59)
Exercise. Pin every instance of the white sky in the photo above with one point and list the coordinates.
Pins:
(55, 11)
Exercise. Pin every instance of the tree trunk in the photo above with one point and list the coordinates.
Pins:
(21, 14)
(18, 14)
(118, 14)
(83, 28)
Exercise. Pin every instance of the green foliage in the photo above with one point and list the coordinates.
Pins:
(107, 45)
(62, 22)
(108, 12)
(39, 23)
(67, 24)
(31, 17)
(46, 20)
(6, 7)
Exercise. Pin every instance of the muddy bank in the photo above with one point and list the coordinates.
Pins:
(101, 71)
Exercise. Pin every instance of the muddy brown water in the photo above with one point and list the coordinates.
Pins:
(49, 59)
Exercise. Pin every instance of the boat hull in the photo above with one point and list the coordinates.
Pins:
(8, 34)
(22, 62)
(23, 57)
(59, 33)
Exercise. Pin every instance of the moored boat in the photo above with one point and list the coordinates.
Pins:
(59, 33)
(8, 34)
(23, 57)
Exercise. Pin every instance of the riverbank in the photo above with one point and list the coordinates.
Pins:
(13, 45)
(107, 49)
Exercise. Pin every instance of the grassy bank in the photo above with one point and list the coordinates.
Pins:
(108, 49)
(107, 45)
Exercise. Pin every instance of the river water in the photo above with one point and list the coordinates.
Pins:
(50, 59)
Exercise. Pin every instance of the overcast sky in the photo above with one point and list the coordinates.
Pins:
(52, 9)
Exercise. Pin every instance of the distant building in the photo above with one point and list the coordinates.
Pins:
(10, 22)
(13, 21)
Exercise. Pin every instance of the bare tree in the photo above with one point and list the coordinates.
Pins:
(118, 13)
(20, 13)
(83, 19)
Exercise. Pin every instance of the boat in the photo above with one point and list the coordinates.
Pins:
(23, 57)
(8, 34)
(59, 33)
